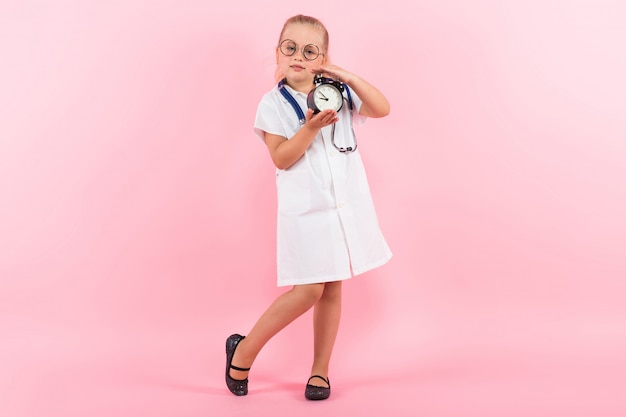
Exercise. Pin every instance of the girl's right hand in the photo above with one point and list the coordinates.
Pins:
(321, 119)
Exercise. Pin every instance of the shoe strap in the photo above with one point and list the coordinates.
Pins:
(236, 368)
(320, 377)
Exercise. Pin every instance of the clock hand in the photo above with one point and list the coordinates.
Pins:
(323, 96)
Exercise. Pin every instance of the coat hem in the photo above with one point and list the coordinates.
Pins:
(316, 280)
(371, 266)
(321, 280)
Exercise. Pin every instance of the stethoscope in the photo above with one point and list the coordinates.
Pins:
(300, 114)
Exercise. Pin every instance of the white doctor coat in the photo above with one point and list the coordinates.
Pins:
(327, 225)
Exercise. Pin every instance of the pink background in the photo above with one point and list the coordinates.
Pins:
(137, 209)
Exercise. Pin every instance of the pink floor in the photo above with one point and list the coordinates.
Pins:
(481, 366)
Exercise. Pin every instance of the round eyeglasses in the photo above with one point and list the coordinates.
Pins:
(310, 52)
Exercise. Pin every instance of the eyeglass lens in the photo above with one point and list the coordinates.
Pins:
(289, 47)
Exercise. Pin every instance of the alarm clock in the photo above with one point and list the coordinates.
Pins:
(327, 94)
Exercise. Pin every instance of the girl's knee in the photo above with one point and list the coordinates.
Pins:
(311, 292)
(332, 291)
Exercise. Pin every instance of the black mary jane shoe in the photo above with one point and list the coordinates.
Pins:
(238, 387)
(313, 392)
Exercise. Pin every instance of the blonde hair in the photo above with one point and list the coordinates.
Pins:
(304, 20)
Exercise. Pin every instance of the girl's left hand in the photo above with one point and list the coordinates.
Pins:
(334, 72)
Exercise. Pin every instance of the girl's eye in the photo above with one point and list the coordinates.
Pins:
(291, 48)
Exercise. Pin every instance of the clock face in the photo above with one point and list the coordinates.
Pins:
(327, 96)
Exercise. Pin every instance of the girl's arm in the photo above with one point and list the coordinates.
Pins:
(285, 152)
(375, 104)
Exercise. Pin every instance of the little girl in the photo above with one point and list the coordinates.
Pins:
(327, 226)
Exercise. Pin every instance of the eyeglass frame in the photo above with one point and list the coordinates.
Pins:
(280, 48)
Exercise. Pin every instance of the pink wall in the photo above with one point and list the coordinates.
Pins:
(136, 201)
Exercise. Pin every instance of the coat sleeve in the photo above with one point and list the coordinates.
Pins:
(268, 119)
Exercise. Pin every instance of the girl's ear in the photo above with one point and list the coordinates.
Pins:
(276, 56)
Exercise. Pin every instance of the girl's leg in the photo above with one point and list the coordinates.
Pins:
(325, 326)
(285, 309)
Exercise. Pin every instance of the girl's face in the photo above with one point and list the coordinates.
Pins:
(306, 41)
